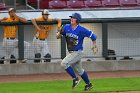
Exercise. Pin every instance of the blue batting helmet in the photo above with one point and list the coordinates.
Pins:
(77, 16)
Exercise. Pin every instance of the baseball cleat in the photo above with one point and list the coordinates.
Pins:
(75, 82)
(88, 87)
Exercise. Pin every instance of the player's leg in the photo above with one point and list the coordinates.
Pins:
(8, 47)
(46, 52)
(78, 68)
(37, 50)
(67, 62)
(15, 45)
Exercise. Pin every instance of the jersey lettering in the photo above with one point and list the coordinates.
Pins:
(72, 40)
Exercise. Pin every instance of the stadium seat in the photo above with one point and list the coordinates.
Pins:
(44, 4)
(128, 2)
(2, 6)
(57, 4)
(93, 3)
(111, 3)
(75, 4)
(138, 2)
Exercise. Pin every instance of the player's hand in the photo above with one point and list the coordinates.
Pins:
(95, 49)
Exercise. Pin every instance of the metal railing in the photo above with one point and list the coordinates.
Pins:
(28, 6)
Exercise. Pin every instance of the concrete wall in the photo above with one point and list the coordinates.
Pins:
(18, 69)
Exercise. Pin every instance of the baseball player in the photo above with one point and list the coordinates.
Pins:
(10, 41)
(41, 35)
(74, 34)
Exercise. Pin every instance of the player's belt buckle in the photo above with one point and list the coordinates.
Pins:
(40, 39)
(10, 38)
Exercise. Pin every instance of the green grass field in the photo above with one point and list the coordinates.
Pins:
(64, 86)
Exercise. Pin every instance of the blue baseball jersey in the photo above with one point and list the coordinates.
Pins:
(75, 37)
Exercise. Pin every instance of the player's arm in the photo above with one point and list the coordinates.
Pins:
(93, 37)
(21, 19)
(94, 48)
(59, 23)
(3, 19)
(59, 28)
(35, 24)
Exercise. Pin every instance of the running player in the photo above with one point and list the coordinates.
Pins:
(74, 34)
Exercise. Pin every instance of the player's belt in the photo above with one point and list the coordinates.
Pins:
(74, 51)
(40, 39)
(10, 38)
